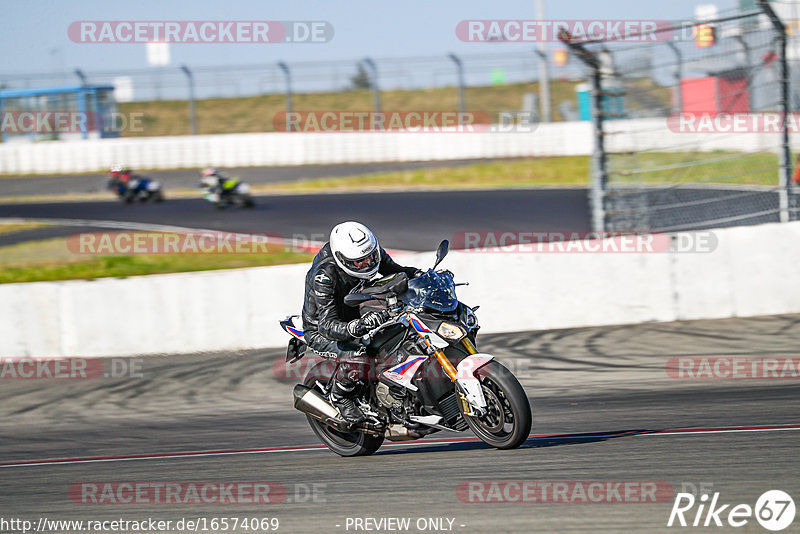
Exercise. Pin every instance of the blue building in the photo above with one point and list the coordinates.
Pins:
(84, 111)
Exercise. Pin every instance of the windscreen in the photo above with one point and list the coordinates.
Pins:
(433, 291)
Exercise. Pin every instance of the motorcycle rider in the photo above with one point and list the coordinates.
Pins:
(122, 179)
(351, 257)
(118, 178)
(217, 181)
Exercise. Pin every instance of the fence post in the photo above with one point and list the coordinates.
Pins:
(678, 77)
(784, 154)
(749, 62)
(82, 101)
(460, 67)
(79, 73)
(597, 192)
(288, 74)
(192, 111)
(546, 112)
(376, 92)
(599, 170)
(545, 109)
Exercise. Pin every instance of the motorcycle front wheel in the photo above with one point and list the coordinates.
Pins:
(342, 443)
(507, 421)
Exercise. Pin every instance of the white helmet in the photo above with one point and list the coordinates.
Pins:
(355, 249)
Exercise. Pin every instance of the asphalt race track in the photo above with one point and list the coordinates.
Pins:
(404, 220)
(189, 178)
(605, 409)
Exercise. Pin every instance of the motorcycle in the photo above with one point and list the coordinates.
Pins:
(137, 188)
(431, 376)
(232, 192)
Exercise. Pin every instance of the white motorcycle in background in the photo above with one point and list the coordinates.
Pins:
(232, 192)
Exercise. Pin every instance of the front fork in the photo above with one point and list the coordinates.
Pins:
(468, 388)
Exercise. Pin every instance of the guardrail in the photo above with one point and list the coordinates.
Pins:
(239, 309)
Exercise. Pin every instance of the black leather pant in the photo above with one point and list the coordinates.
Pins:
(354, 364)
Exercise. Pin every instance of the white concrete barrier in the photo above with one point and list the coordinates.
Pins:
(750, 272)
(279, 148)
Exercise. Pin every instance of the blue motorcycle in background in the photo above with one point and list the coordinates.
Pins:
(133, 187)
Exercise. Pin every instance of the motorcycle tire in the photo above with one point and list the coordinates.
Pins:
(342, 443)
(508, 421)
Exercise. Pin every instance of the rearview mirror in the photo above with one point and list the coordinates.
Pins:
(441, 252)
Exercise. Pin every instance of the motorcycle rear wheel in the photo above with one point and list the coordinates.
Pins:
(507, 423)
(342, 443)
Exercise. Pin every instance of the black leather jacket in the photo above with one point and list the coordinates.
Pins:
(326, 286)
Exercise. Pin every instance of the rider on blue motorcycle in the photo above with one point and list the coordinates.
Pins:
(124, 182)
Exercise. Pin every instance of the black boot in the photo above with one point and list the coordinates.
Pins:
(342, 397)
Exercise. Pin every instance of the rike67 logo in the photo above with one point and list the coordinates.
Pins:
(774, 510)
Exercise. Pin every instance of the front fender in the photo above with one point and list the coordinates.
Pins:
(466, 368)
(467, 381)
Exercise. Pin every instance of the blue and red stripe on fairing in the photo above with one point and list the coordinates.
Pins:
(403, 367)
(295, 331)
(419, 327)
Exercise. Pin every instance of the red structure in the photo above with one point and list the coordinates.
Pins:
(726, 93)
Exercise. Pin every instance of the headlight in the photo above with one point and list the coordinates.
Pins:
(450, 331)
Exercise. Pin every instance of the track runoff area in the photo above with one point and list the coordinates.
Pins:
(628, 436)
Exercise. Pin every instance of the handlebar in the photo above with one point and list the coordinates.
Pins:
(366, 339)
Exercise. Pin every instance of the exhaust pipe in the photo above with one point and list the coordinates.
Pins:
(310, 402)
(400, 433)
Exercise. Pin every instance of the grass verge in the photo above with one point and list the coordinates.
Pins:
(50, 259)
(651, 168)
(9, 227)
(256, 113)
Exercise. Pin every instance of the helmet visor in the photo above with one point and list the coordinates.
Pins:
(364, 264)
